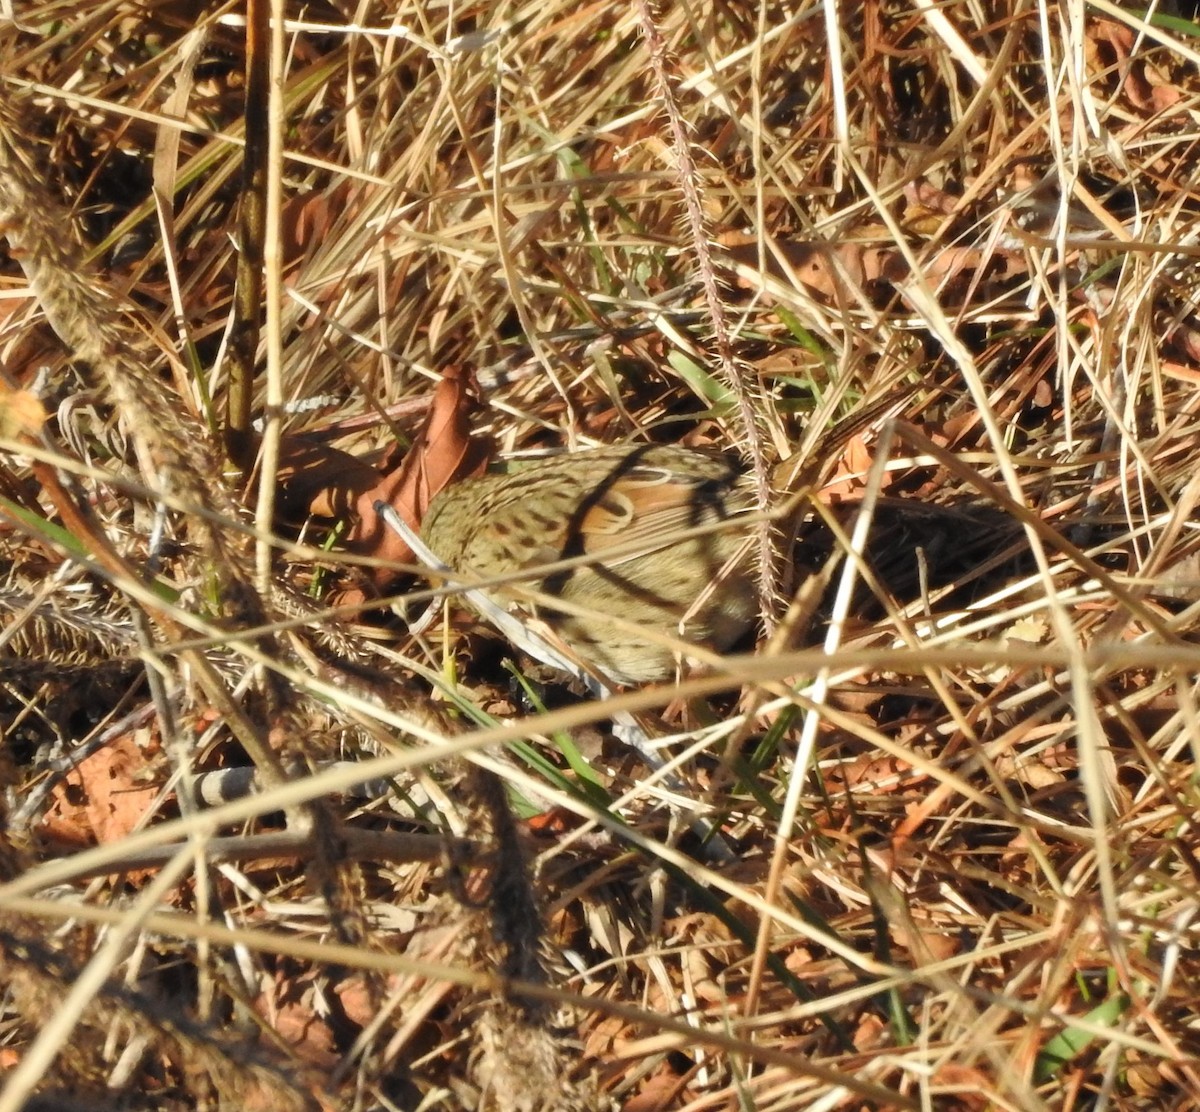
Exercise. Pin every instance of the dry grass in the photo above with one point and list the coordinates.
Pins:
(962, 809)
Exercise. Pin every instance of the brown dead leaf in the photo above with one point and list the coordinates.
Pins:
(443, 453)
(1110, 45)
(105, 796)
(603, 1039)
(1183, 339)
(21, 414)
(868, 769)
(849, 473)
(836, 272)
(968, 1084)
(289, 1009)
(317, 479)
(798, 960)
(871, 1033)
(858, 701)
(308, 218)
(556, 821)
(356, 998)
(659, 1092)
(924, 196)
(843, 273)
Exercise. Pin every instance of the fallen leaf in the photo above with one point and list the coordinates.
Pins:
(659, 1092)
(289, 1009)
(1110, 45)
(105, 797)
(444, 452)
(21, 413)
(317, 479)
